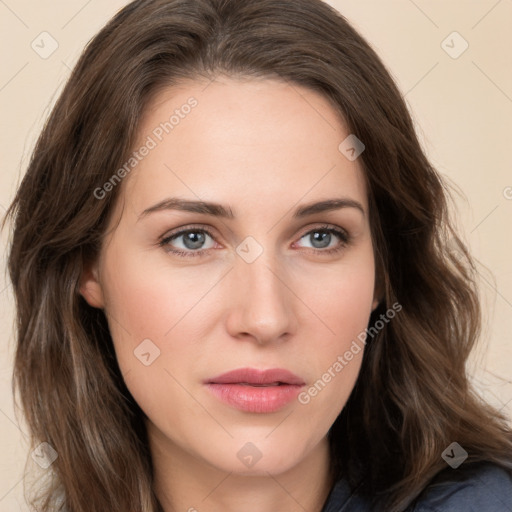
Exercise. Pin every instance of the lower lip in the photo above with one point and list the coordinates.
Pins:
(255, 398)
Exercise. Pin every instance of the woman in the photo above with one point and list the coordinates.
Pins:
(179, 347)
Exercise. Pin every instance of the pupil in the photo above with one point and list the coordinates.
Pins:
(321, 234)
(194, 240)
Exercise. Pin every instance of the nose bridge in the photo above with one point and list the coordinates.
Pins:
(265, 304)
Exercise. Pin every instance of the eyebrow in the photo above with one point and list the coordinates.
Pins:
(218, 210)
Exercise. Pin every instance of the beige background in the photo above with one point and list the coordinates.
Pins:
(462, 107)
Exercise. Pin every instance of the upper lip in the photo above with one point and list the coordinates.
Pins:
(255, 376)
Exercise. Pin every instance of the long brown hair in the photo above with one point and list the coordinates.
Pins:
(413, 396)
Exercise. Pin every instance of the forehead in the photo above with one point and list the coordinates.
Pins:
(249, 143)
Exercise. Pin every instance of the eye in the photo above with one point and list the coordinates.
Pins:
(322, 237)
(193, 240)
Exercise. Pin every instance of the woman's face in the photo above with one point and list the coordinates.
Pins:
(261, 288)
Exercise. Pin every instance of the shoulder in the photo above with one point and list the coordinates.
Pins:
(478, 487)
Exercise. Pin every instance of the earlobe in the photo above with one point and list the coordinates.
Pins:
(90, 287)
(375, 303)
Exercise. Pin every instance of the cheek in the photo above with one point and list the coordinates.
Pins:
(343, 301)
(147, 308)
(146, 295)
(140, 303)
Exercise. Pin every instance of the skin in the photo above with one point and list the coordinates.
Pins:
(263, 148)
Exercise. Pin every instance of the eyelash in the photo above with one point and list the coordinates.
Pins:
(341, 234)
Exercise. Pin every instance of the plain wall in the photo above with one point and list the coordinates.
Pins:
(462, 107)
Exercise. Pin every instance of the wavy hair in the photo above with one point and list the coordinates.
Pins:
(413, 396)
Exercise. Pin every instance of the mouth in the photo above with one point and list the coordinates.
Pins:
(256, 391)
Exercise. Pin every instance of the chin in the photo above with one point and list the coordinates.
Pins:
(274, 464)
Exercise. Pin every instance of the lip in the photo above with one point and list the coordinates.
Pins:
(255, 376)
(259, 391)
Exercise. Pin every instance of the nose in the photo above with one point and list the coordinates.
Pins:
(262, 305)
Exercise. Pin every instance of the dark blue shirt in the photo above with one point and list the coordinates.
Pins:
(477, 487)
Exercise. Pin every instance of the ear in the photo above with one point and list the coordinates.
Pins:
(90, 286)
